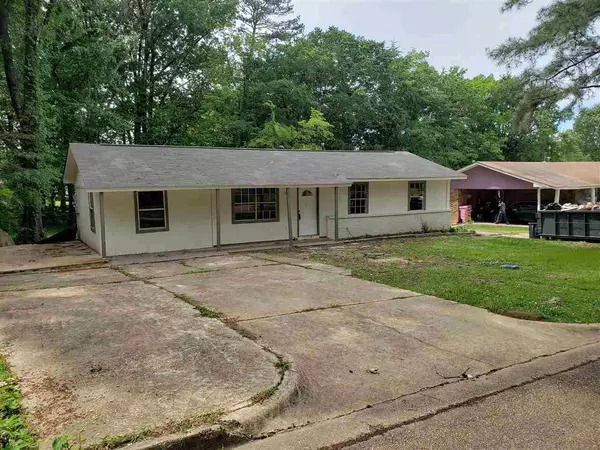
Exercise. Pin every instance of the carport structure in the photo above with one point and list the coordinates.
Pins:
(539, 183)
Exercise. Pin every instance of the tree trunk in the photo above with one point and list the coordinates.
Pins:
(7, 57)
(30, 153)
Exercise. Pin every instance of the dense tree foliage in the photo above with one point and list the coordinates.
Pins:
(244, 73)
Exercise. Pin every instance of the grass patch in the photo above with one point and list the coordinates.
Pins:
(14, 430)
(111, 442)
(497, 229)
(193, 272)
(557, 281)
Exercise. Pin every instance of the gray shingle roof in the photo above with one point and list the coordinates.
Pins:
(139, 167)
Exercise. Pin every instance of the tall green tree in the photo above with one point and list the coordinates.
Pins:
(561, 54)
(260, 24)
(21, 25)
(586, 132)
(171, 45)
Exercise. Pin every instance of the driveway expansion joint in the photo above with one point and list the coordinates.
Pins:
(325, 308)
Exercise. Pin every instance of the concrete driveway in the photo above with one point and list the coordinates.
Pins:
(357, 344)
(99, 353)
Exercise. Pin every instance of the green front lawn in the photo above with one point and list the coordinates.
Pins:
(556, 281)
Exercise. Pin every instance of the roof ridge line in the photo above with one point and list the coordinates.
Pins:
(234, 148)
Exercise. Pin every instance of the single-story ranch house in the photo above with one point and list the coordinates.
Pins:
(144, 199)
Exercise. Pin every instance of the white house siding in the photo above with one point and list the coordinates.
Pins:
(93, 240)
(326, 209)
(192, 218)
(190, 223)
(388, 210)
(237, 233)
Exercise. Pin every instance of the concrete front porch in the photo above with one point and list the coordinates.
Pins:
(46, 256)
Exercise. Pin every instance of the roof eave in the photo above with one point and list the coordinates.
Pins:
(444, 178)
(207, 187)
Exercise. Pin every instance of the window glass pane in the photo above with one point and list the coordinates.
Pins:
(416, 196)
(92, 214)
(251, 205)
(150, 200)
(152, 219)
(237, 195)
(358, 195)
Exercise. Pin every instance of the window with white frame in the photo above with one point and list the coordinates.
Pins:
(255, 205)
(92, 212)
(151, 211)
(358, 198)
(416, 195)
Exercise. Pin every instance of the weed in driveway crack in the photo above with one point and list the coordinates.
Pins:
(203, 310)
(282, 365)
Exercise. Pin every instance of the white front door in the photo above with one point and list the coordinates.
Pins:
(308, 212)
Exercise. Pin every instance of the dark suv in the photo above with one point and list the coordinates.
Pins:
(522, 212)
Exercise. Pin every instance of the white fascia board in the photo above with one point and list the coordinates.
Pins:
(365, 180)
(195, 188)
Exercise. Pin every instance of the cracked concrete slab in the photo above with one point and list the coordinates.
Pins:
(414, 342)
(39, 280)
(119, 358)
(307, 264)
(476, 332)
(158, 269)
(228, 262)
(557, 412)
(46, 256)
(393, 416)
(166, 269)
(334, 350)
(275, 289)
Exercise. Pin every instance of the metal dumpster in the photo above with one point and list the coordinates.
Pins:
(579, 225)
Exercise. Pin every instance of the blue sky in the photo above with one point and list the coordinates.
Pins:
(455, 32)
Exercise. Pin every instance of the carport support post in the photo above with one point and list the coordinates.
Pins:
(102, 226)
(593, 195)
(218, 213)
(288, 196)
(336, 213)
(556, 195)
(539, 199)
